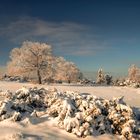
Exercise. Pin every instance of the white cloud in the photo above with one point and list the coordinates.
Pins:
(69, 38)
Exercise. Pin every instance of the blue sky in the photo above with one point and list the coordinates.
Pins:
(91, 33)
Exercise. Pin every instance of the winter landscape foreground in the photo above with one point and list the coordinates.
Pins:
(41, 128)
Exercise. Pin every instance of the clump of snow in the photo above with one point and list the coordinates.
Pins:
(82, 115)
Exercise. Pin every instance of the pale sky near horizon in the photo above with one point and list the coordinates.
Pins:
(91, 33)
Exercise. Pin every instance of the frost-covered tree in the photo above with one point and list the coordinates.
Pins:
(100, 77)
(35, 59)
(72, 72)
(32, 57)
(134, 73)
(66, 71)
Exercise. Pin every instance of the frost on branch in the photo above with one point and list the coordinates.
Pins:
(79, 114)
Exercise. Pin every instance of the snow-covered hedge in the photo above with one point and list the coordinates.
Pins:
(14, 78)
(80, 114)
(127, 82)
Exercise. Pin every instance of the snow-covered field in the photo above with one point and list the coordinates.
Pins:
(131, 95)
(44, 129)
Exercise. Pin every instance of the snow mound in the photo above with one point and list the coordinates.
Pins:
(79, 114)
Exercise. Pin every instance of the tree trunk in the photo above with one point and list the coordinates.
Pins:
(39, 77)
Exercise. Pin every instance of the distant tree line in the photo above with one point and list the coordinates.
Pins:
(36, 60)
(133, 77)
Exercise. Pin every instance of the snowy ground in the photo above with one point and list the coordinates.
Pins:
(43, 129)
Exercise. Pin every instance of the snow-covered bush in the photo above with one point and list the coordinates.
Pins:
(126, 82)
(80, 114)
(14, 78)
